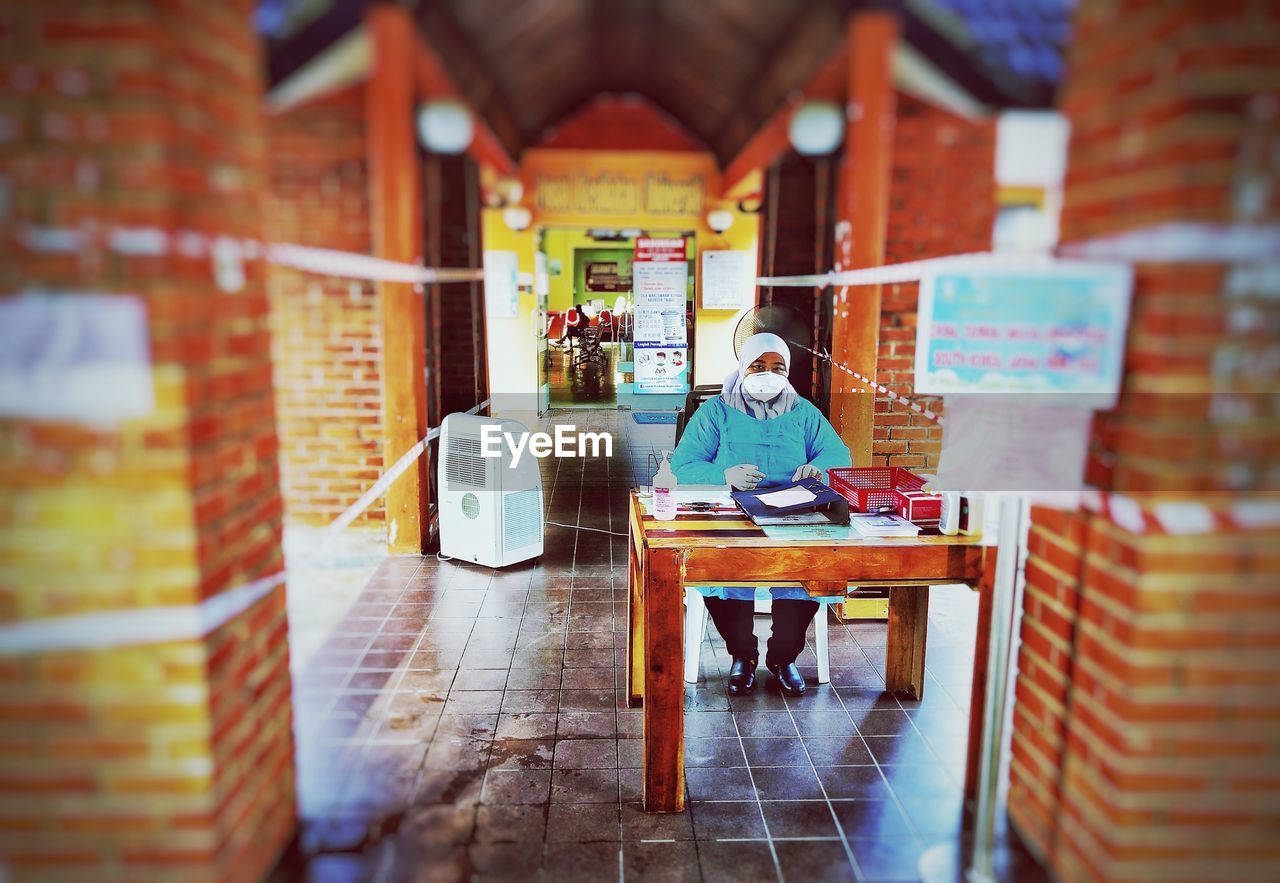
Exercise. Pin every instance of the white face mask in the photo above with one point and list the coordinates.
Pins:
(764, 385)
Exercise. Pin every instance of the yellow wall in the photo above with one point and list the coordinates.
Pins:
(560, 243)
(652, 191)
(512, 343)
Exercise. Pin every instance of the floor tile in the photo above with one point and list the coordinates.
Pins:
(713, 783)
(713, 752)
(814, 861)
(786, 783)
(853, 782)
(674, 861)
(798, 818)
(581, 823)
(736, 862)
(516, 786)
(584, 786)
(586, 754)
(719, 820)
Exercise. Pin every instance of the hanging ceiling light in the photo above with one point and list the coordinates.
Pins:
(816, 128)
(720, 219)
(445, 125)
(517, 217)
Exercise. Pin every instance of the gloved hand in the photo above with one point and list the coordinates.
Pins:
(743, 477)
(807, 471)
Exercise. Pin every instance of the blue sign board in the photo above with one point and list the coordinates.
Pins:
(1060, 329)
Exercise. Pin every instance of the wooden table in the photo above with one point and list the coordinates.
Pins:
(728, 549)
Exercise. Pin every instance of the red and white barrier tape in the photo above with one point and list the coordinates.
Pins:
(913, 271)
(155, 242)
(184, 622)
(877, 387)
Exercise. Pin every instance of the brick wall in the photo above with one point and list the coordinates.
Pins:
(326, 331)
(133, 763)
(941, 201)
(1147, 718)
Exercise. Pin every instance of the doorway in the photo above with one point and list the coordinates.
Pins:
(587, 304)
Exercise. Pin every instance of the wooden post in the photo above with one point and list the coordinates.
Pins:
(664, 682)
(908, 634)
(862, 217)
(396, 198)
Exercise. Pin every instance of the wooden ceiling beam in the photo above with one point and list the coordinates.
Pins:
(772, 140)
(490, 104)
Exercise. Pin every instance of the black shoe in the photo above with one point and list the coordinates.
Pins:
(742, 675)
(790, 681)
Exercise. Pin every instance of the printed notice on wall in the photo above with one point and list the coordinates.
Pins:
(660, 276)
(501, 284)
(661, 368)
(728, 280)
(1012, 443)
(79, 357)
(1055, 330)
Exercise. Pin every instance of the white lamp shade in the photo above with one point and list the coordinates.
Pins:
(720, 220)
(509, 190)
(816, 128)
(445, 125)
(517, 217)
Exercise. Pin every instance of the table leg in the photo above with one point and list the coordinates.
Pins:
(978, 696)
(635, 627)
(664, 682)
(904, 654)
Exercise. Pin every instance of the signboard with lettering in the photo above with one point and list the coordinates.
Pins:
(660, 276)
(1060, 329)
(632, 189)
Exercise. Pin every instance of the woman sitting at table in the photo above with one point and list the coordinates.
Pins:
(759, 432)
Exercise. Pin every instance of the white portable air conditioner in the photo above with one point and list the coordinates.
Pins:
(490, 510)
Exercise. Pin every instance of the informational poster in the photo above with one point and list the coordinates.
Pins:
(78, 357)
(660, 275)
(501, 284)
(1055, 330)
(661, 369)
(728, 280)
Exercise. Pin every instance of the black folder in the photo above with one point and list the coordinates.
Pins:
(826, 503)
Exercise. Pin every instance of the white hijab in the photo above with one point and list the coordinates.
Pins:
(738, 399)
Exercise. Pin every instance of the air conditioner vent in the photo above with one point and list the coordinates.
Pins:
(463, 464)
(521, 519)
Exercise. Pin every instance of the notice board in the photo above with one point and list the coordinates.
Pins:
(660, 279)
(1058, 329)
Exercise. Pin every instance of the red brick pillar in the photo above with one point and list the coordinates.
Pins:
(942, 201)
(139, 743)
(1147, 713)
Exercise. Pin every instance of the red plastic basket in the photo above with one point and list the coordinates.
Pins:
(872, 488)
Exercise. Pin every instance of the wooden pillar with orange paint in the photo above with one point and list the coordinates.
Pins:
(396, 199)
(861, 220)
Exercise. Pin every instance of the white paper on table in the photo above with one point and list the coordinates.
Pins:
(1012, 443)
(791, 496)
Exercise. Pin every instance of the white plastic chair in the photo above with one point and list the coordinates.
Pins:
(695, 626)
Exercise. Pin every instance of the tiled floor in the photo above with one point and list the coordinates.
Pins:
(460, 723)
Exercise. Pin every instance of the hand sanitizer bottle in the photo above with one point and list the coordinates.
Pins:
(664, 490)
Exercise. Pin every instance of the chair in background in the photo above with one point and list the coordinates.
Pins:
(589, 351)
(695, 627)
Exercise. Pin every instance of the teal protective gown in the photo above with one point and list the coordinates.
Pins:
(718, 437)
